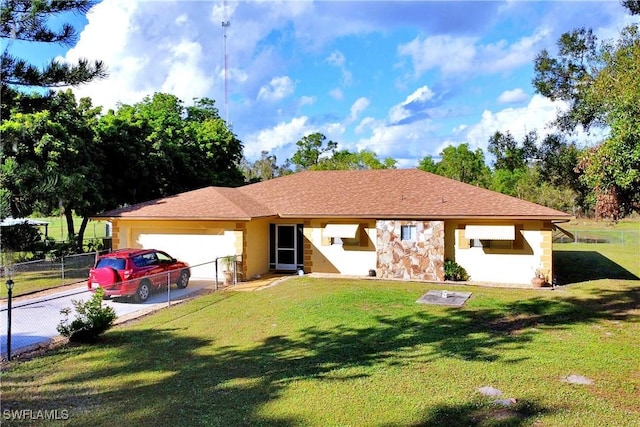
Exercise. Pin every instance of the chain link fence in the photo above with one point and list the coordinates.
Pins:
(35, 317)
(33, 276)
(614, 237)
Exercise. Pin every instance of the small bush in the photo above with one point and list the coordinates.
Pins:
(454, 271)
(92, 319)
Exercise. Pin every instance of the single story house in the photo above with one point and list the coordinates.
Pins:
(400, 223)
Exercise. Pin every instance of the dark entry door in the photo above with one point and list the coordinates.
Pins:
(286, 247)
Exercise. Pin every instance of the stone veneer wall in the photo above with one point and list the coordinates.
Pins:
(421, 259)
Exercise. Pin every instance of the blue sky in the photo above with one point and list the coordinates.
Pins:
(404, 79)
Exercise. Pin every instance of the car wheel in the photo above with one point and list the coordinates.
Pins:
(143, 292)
(183, 280)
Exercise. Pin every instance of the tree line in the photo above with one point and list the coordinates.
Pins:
(60, 154)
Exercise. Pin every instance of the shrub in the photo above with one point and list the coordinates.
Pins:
(92, 319)
(20, 237)
(454, 271)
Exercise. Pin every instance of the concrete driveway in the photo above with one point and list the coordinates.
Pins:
(34, 318)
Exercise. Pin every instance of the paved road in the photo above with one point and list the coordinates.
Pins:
(34, 320)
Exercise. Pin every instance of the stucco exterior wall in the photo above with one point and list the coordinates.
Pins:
(352, 259)
(197, 242)
(515, 265)
(420, 258)
(378, 247)
(256, 248)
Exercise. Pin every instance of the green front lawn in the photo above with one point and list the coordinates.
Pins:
(324, 352)
(335, 352)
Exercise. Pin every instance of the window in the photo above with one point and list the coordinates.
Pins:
(490, 244)
(475, 243)
(408, 232)
(344, 234)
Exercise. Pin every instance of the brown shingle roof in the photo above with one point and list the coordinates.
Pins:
(388, 193)
(206, 203)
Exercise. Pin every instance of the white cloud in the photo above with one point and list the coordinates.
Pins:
(105, 38)
(420, 95)
(307, 100)
(450, 54)
(185, 78)
(518, 121)
(512, 96)
(454, 54)
(357, 108)
(402, 142)
(336, 59)
(277, 89)
(182, 19)
(336, 94)
(416, 99)
(503, 56)
(280, 135)
(365, 124)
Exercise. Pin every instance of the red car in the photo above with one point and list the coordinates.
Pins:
(136, 273)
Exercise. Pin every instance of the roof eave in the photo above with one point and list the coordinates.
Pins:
(172, 218)
(431, 216)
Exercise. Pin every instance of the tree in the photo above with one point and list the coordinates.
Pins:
(459, 163)
(264, 168)
(464, 165)
(25, 21)
(557, 168)
(427, 164)
(211, 151)
(47, 159)
(166, 148)
(509, 154)
(602, 84)
(310, 150)
(71, 157)
(565, 77)
(513, 161)
(347, 160)
(632, 5)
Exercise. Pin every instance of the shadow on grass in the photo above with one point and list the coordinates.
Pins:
(583, 266)
(483, 414)
(167, 377)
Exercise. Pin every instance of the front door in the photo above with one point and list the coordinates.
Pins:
(286, 247)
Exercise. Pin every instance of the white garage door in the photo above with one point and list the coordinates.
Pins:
(199, 250)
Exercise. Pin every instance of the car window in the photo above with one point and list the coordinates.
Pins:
(164, 258)
(117, 263)
(146, 259)
(139, 261)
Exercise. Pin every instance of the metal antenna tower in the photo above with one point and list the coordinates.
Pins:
(225, 24)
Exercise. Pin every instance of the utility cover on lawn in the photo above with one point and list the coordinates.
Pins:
(453, 299)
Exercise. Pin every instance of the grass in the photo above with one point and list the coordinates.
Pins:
(335, 352)
(48, 274)
(57, 228)
(41, 275)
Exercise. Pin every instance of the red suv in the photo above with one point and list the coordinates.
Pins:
(136, 273)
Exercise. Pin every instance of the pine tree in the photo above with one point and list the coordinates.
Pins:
(26, 21)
